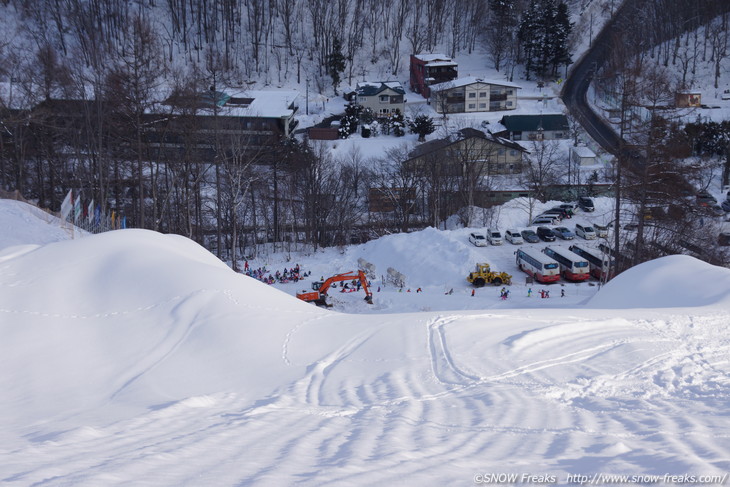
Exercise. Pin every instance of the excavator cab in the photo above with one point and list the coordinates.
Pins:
(318, 295)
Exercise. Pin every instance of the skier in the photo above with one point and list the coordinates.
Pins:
(472, 292)
(562, 293)
(529, 292)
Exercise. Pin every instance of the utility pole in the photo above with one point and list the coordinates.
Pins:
(307, 103)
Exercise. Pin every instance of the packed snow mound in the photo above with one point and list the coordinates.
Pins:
(419, 255)
(135, 314)
(667, 282)
(23, 224)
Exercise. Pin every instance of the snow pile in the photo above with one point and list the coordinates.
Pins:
(87, 321)
(668, 282)
(135, 358)
(424, 257)
(24, 224)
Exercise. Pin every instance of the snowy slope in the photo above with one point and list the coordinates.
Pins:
(134, 358)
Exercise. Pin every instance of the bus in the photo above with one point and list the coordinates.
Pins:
(541, 267)
(601, 264)
(573, 267)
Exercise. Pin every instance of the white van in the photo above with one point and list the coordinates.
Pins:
(478, 239)
(585, 231)
(494, 236)
(513, 237)
(544, 220)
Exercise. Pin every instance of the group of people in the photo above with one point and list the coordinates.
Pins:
(544, 293)
(262, 274)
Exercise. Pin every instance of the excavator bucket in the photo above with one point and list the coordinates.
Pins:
(369, 299)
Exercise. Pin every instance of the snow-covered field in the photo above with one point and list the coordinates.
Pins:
(135, 358)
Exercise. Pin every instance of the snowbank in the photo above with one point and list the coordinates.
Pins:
(669, 282)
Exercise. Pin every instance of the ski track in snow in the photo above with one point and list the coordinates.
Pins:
(399, 426)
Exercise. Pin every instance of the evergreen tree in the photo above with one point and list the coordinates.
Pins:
(500, 30)
(367, 116)
(529, 36)
(397, 124)
(562, 30)
(336, 63)
(423, 126)
(543, 34)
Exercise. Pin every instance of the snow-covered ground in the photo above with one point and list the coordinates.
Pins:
(135, 358)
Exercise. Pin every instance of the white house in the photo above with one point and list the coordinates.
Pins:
(382, 97)
(472, 94)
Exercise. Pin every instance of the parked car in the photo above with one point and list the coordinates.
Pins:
(705, 199)
(494, 236)
(558, 215)
(478, 239)
(545, 234)
(717, 210)
(564, 233)
(601, 230)
(529, 236)
(560, 211)
(585, 231)
(545, 220)
(569, 207)
(725, 206)
(513, 237)
(586, 204)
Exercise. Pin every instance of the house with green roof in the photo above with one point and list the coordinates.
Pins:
(535, 127)
(382, 97)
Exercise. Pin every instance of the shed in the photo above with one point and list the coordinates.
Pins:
(582, 156)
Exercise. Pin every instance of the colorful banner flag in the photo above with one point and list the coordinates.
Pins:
(90, 212)
(67, 205)
(77, 208)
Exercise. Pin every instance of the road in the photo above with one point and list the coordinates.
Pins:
(576, 86)
(575, 90)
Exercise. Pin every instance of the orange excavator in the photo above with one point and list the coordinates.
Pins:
(319, 294)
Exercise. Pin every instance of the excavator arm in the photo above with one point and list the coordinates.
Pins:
(319, 295)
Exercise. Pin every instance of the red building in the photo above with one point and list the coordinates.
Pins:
(429, 69)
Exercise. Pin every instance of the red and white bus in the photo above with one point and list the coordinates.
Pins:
(538, 265)
(600, 263)
(573, 267)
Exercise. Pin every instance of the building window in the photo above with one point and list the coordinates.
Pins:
(509, 103)
(500, 152)
(483, 105)
(472, 106)
(509, 92)
(384, 98)
(472, 95)
(513, 152)
(482, 94)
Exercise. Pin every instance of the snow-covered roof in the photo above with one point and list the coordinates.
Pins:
(261, 103)
(370, 88)
(434, 57)
(470, 80)
(583, 151)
